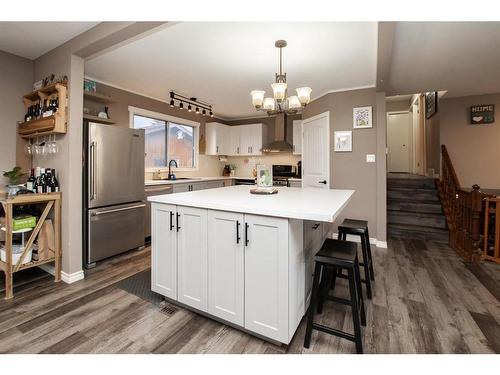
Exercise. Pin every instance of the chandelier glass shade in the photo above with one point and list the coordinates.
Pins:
(280, 103)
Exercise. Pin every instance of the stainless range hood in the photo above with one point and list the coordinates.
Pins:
(279, 143)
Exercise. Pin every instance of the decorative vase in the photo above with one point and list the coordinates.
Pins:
(12, 190)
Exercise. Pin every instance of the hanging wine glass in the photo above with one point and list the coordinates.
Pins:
(28, 148)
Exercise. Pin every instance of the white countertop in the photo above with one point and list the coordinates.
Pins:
(294, 203)
(193, 180)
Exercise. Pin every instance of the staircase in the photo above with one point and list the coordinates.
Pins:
(414, 209)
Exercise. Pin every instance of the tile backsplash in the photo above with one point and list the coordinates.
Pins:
(245, 164)
(210, 166)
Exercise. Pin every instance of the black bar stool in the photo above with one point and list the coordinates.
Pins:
(360, 228)
(337, 255)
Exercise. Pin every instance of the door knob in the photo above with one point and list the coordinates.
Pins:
(322, 182)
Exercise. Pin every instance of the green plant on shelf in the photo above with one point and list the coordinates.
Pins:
(14, 175)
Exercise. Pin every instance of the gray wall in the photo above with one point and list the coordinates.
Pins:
(349, 170)
(474, 149)
(16, 76)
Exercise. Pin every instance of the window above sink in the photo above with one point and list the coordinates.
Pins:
(167, 138)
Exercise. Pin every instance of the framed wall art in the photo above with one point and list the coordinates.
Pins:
(482, 114)
(431, 104)
(343, 141)
(362, 117)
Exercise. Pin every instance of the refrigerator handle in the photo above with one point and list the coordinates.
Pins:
(118, 210)
(92, 171)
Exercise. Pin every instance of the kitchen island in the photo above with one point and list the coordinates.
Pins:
(240, 258)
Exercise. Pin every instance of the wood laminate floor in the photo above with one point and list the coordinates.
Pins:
(425, 301)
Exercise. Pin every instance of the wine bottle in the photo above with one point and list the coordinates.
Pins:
(48, 180)
(31, 181)
(42, 187)
(37, 183)
(55, 183)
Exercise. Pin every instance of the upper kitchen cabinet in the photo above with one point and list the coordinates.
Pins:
(217, 139)
(252, 137)
(297, 137)
(234, 140)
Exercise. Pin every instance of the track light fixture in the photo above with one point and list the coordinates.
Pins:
(200, 107)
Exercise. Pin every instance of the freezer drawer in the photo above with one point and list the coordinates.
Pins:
(114, 230)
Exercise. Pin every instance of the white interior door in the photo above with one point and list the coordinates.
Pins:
(399, 142)
(316, 151)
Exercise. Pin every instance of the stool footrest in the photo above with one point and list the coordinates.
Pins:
(334, 331)
(343, 301)
(346, 277)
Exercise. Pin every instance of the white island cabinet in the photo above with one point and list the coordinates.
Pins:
(240, 258)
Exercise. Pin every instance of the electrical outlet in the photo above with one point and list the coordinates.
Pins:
(370, 158)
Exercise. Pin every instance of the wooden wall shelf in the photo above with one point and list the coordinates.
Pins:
(98, 119)
(96, 97)
(55, 124)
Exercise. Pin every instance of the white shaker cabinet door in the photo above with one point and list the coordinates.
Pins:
(192, 278)
(164, 250)
(226, 286)
(297, 137)
(266, 276)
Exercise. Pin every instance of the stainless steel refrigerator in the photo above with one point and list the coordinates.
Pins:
(114, 199)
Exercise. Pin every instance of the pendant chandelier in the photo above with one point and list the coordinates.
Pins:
(280, 102)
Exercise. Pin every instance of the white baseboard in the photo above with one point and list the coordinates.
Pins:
(68, 278)
(373, 241)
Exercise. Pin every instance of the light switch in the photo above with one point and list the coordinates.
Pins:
(370, 158)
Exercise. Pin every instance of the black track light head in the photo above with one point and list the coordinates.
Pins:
(197, 110)
(181, 105)
(204, 112)
(189, 108)
(172, 103)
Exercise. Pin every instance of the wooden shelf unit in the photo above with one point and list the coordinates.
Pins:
(97, 97)
(98, 119)
(55, 124)
(52, 202)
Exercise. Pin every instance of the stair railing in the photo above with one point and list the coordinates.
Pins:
(463, 209)
(491, 244)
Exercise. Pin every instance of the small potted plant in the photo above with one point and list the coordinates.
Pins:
(14, 177)
(232, 169)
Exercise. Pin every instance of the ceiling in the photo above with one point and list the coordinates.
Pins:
(222, 62)
(460, 57)
(32, 39)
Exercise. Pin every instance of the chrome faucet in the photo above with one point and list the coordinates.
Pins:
(171, 176)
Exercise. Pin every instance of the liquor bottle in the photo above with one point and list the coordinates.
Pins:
(54, 182)
(48, 180)
(37, 110)
(31, 181)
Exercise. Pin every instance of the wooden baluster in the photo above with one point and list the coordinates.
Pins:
(475, 223)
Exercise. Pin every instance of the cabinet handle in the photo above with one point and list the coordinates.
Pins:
(238, 231)
(238, 150)
(216, 148)
(177, 221)
(171, 220)
(248, 149)
(322, 182)
(315, 226)
(246, 234)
